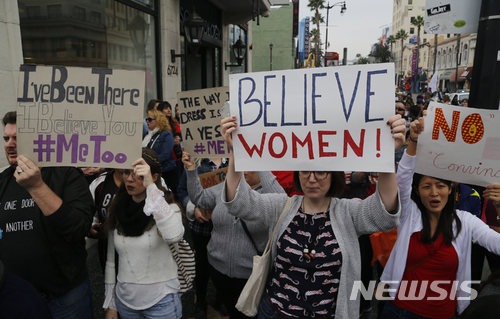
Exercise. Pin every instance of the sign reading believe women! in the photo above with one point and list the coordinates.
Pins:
(314, 119)
(460, 144)
(86, 117)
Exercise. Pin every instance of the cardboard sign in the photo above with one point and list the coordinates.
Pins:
(460, 144)
(451, 16)
(314, 119)
(87, 117)
(200, 122)
(213, 178)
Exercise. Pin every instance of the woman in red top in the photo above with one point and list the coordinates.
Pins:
(429, 268)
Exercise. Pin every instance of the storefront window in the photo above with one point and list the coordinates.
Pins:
(236, 33)
(94, 33)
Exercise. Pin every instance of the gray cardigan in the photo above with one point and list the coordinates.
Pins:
(230, 251)
(350, 218)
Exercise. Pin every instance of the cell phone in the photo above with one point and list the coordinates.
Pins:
(98, 228)
(224, 111)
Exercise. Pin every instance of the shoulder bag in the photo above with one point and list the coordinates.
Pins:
(248, 302)
(184, 257)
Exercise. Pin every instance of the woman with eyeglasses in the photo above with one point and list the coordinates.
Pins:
(315, 252)
(161, 140)
(142, 221)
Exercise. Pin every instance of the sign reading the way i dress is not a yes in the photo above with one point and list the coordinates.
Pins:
(86, 117)
(200, 121)
(460, 144)
(314, 119)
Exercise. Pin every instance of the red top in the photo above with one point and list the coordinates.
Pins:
(285, 179)
(438, 271)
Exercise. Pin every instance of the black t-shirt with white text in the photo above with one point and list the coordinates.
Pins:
(24, 246)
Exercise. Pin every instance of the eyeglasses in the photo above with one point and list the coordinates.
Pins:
(126, 173)
(317, 175)
(149, 119)
(400, 109)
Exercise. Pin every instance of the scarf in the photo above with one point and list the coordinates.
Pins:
(148, 137)
(131, 218)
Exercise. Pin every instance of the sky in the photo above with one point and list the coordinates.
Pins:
(358, 29)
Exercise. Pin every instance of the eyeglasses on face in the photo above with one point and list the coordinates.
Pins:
(317, 175)
(150, 119)
(127, 172)
(400, 109)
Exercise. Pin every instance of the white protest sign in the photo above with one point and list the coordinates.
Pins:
(451, 16)
(200, 121)
(314, 119)
(87, 117)
(460, 144)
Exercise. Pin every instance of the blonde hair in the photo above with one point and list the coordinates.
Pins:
(161, 120)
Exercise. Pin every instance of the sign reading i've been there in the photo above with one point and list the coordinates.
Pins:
(332, 119)
(200, 121)
(85, 117)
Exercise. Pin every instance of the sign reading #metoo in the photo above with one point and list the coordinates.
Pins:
(87, 117)
(314, 119)
(460, 144)
(200, 121)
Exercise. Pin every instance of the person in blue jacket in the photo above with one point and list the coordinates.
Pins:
(160, 139)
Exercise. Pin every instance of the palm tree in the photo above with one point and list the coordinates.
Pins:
(401, 35)
(313, 34)
(316, 5)
(391, 39)
(418, 22)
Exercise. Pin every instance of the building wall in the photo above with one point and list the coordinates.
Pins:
(277, 29)
(403, 11)
(170, 40)
(11, 57)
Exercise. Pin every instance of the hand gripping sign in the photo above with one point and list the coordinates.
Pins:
(85, 117)
(460, 144)
(314, 119)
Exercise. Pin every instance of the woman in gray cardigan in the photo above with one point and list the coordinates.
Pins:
(315, 251)
(231, 247)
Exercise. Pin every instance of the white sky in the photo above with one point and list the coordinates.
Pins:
(359, 27)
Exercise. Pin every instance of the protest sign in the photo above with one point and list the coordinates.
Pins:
(87, 117)
(314, 119)
(213, 178)
(200, 121)
(460, 144)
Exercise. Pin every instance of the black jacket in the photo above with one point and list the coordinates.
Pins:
(67, 227)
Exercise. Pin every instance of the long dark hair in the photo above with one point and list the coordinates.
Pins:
(152, 159)
(172, 121)
(448, 215)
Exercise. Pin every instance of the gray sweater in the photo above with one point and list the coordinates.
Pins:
(350, 218)
(230, 251)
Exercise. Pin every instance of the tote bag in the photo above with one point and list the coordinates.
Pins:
(186, 271)
(248, 302)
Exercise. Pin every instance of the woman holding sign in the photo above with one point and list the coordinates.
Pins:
(434, 243)
(315, 252)
(141, 223)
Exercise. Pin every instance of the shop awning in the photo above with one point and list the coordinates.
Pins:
(423, 78)
(457, 75)
(240, 11)
(464, 74)
(444, 74)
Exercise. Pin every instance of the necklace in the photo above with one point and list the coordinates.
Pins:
(128, 259)
(306, 253)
